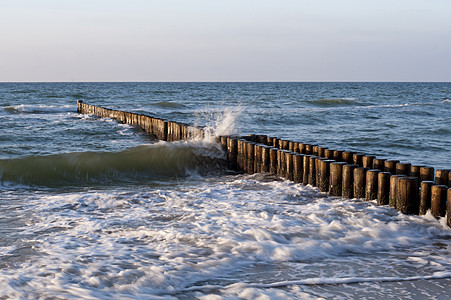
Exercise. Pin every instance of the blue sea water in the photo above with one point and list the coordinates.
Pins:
(91, 208)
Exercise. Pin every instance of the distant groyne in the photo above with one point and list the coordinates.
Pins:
(411, 189)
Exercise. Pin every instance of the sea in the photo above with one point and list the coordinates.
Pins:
(94, 209)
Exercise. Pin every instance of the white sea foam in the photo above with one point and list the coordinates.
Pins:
(235, 237)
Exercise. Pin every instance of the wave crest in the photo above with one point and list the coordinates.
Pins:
(154, 161)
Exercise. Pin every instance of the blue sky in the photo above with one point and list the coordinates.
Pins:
(174, 40)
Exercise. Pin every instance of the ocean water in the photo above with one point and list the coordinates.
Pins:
(94, 209)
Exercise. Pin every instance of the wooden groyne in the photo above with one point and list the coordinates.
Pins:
(411, 189)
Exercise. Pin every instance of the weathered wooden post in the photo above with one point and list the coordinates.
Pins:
(324, 174)
(367, 161)
(403, 169)
(250, 152)
(348, 180)
(408, 195)
(258, 149)
(425, 196)
(415, 171)
(357, 159)
(383, 188)
(438, 200)
(305, 171)
(347, 156)
(280, 163)
(426, 173)
(312, 170)
(390, 166)
(338, 155)
(449, 207)
(359, 182)
(302, 148)
(378, 163)
(265, 159)
(441, 177)
(393, 196)
(79, 106)
(329, 153)
(308, 149)
(298, 167)
(273, 160)
(336, 178)
(371, 184)
(315, 150)
(232, 152)
(289, 165)
(321, 151)
(261, 139)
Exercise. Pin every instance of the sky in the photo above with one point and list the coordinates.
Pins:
(225, 40)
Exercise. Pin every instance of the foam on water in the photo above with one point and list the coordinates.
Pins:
(220, 237)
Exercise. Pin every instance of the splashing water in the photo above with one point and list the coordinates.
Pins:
(220, 123)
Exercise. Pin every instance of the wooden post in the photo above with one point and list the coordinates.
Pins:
(390, 166)
(273, 160)
(426, 173)
(79, 106)
(305, 171)
(312, 170)
(347, 156)
(297, 167)
(261, 139)
(318, 169)
(367, 161)
(449, 180)
(321, 151)
(425, 196)
(359, 182)
(441, 177)
(415, 171)
(265, 159)
(324, 174)
(408, 197)
(308, 149)
(281, 166)
(289, 165)
(393, 196)
(348, 180)
(291, 146)
(371, 184)
(403, 169)
(438, 200)
(296, 147)
(329, 153)
(250, 152)
(378, 163)
(258, 149)
(383, 188)
(241, 155)
(336, 178)
(232, 152)
(285, 144)
(357, 159)
(448, 207)
(315, 150)
(302, 148)
(223, 141)
(338, 155)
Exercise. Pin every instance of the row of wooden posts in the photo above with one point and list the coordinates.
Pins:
(162, 129)
(411, 189)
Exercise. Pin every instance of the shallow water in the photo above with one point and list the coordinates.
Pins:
(95, 209)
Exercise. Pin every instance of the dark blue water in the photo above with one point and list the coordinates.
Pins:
(95, 209)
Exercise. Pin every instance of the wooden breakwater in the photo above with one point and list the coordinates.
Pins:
(411, 189)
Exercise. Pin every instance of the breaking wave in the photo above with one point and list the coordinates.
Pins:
(154, 161)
